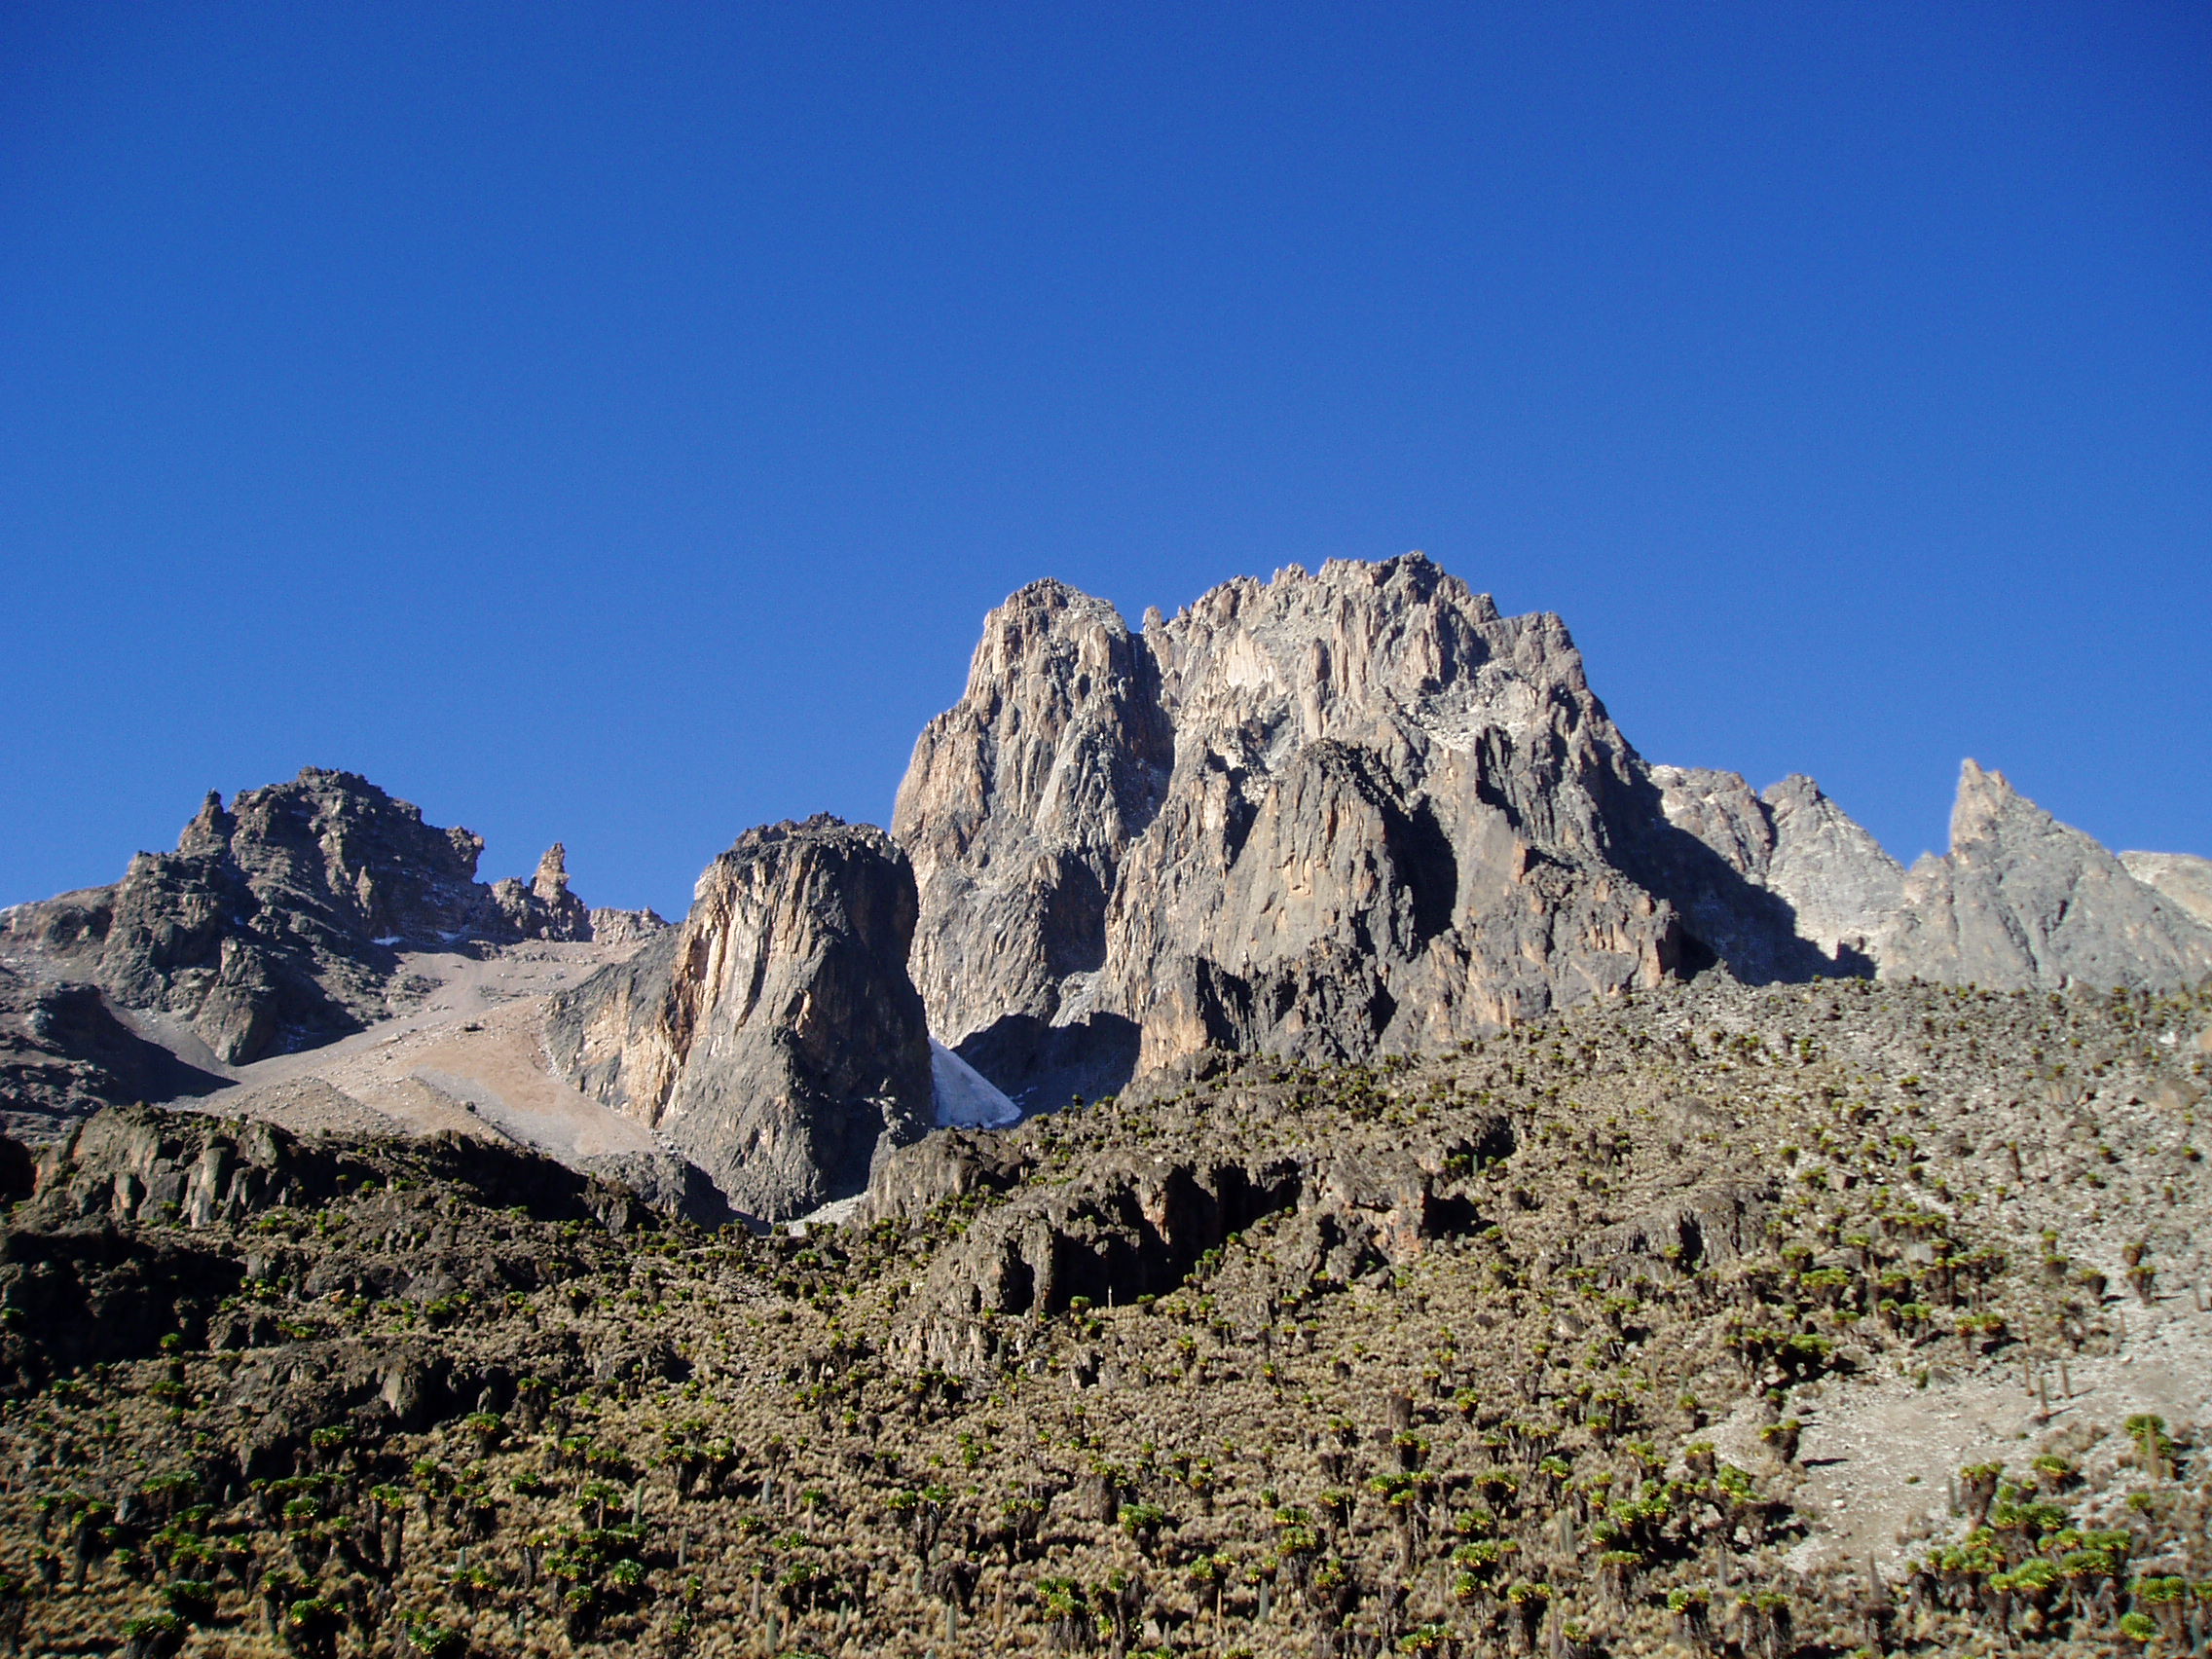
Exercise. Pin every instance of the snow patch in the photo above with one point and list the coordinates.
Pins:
(964, 1097)
(395, 939)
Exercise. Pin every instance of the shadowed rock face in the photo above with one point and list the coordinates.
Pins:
(275, 924)
(63, 1054)
(133, 1234)
(1325, 816)
(2023, 900)
(1809, 860)
(774, 1039)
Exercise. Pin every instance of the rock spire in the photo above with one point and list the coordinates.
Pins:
(774, 1038)
(2024, 901)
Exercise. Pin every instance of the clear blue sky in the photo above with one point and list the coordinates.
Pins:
(610, 422)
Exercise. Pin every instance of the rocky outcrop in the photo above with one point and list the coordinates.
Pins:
(2024, 901)
(911, 1181)
(145, 1163)
(1323, 816)
(275, 924)
(545, 909)
(774, 1039)
(624, 927)
(1134, 1226)
(140, 1231)
(63, 1053)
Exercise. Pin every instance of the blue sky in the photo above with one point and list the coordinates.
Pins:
(610, 422)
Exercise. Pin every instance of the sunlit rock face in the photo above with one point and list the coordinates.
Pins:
(774, 1038)
(1325, 816)
(2024, 901)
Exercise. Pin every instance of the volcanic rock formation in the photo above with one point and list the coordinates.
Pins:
(275, 924)
(545, 909)
(1795, 842)
(1323, 816)
(774, 1039)
(2023, 900)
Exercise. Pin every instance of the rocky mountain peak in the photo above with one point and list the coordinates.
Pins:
(2022, 900)
(1330, 813)
(1988, 810)
(275, 924)
(1022, 799)
(209, 831)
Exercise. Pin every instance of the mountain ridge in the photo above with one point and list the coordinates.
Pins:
(1332, 816)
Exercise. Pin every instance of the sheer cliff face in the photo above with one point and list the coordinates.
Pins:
(774, 1039)
(1327, 815)
(1022, 801)
(2023, 900)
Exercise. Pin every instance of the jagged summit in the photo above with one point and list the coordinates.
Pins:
(2024, 899)
(1358, 810)
(1326, 814)
(275, 924)
(1335, 814)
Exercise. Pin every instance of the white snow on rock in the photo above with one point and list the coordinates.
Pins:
(965, 1098)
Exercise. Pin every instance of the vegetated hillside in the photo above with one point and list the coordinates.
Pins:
(1567, 1341)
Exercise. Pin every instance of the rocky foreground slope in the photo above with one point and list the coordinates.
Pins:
(1806, 1320)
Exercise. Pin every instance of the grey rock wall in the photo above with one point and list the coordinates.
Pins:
(2180, 878)
(1328, 815)
(275, 924)
(1831, 880)
(2024, 901)
(774, 1039)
